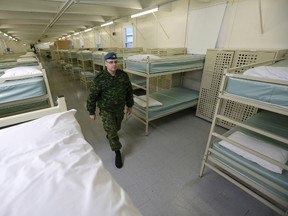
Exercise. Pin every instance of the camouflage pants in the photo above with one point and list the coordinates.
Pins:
(112, 124)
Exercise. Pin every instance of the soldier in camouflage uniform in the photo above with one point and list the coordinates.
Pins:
(112, 91)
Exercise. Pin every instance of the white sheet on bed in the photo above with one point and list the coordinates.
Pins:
(21, 71)
(47, 168)
(151, 101)
(265, 148)
(268, 72)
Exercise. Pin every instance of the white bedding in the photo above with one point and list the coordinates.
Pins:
(142, 57)
(21, 71)
(47, 168)
(268, 72)
(151, 101)
(265, 148)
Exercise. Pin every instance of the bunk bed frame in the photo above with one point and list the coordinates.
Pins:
(25, 117)
(162, 84)
(265, 185)
(99, 61)
(86, 75)
(70, 60)
(28, 102)
(167, 51)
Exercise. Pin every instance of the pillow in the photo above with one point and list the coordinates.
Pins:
(265, 148)
(151, 101)
(142, 57)
(21, 71)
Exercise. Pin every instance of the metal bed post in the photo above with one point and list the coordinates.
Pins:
(23, 117)
(147, 95)
(213, 123)
(48, 88)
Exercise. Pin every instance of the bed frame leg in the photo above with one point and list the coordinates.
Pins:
(146, 128)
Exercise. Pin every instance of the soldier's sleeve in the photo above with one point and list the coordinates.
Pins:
(93, 96)
(129, 95)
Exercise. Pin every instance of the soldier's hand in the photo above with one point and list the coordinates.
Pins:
(129, 110)
(93, 117)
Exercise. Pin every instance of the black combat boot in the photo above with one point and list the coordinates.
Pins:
(118, 159)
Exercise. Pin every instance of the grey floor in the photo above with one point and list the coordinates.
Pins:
(161, 171)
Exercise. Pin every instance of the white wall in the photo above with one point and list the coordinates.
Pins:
(15, 46)
(241, 26)
(203, 27)
(168, 28)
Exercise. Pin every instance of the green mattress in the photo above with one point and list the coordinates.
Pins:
(173, 99)
(166, 64)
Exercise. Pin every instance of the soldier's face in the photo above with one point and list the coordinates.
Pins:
(111, 65)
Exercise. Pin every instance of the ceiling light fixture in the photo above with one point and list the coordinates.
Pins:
(145, 12)
(106, 24)
(87, 30)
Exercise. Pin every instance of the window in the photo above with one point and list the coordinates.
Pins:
(82, 41)
(128, 37)
(98, 39)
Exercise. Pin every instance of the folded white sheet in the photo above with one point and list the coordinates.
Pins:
(151, 101)
(265, 148)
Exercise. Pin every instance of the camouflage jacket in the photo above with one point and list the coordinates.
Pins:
(110, 93)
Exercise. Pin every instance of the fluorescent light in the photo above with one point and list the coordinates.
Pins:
(106, 24)
(77, 33)
(145, 12)
(5, 34)
(87, 30)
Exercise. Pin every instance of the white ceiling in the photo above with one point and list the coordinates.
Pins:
(30, 20)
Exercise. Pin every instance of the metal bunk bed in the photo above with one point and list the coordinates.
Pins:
(84, 59)
(24, 89)
(98, 56)
(98, 61)
(161, 80)
(253, 154)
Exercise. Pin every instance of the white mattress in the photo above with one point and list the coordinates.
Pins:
(47, 168)
(280, 73)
